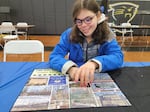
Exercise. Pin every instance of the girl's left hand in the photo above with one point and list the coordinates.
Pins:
(86, 73)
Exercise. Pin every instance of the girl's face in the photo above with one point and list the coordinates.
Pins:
(87, 21)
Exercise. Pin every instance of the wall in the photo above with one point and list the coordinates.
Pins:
(54, 16)
(137, 12)
(48, 16)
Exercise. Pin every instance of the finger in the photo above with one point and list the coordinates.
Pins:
(91, 77)
(72, 76)
(72, 73)
(76, 77)
(87, 77)
(82, 78)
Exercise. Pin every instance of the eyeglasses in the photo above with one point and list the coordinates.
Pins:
(86, 20)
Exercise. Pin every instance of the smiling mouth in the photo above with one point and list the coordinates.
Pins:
(85, 31)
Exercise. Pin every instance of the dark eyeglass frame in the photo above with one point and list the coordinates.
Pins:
(86, 20)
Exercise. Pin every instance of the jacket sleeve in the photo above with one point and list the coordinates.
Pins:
(111, 56)
(57, 58)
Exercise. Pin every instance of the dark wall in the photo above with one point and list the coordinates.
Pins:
(48, 16)
(141, 16)
(54, 16)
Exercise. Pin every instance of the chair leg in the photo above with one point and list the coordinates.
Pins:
(131, 35)
(1, 46)
(26, 37)
(123, 39)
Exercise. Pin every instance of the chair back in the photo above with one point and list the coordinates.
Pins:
(23, 47)
(22, 24)
(126, 24)
(6, 23)
(7, 27)
(22, 29)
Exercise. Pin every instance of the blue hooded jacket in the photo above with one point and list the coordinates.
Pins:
(109, 54)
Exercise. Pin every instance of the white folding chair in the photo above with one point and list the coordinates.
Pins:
(8, 28)
(22, 29)
(125, 31)
(23, 47)
(125, 28)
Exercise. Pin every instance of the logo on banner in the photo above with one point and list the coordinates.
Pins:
(125, 11)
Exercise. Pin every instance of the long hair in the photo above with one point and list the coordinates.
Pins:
(101, 33)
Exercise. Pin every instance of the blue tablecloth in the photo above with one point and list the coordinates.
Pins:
(136, 64)
(14, 75)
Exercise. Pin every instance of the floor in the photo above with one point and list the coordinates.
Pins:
(137, 50)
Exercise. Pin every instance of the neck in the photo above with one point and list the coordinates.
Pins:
(89, 39)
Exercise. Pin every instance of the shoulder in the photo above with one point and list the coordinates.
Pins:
(66, 34)
(67, 31)
(111, 35)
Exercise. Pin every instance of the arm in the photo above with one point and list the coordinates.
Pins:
(111, 56)
(57, 58)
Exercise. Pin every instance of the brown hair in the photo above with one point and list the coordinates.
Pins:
(102, 31)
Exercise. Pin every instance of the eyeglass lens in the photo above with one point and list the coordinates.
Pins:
(86, 20)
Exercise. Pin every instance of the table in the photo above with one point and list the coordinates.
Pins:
(25, 28)
(132, 26)
(145, 31)
(28, 26)
(20, 27)
(133, 81)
